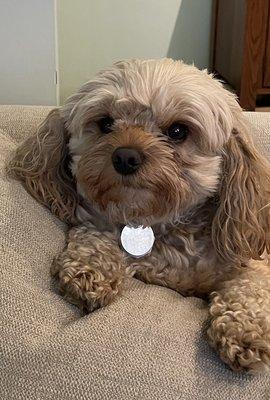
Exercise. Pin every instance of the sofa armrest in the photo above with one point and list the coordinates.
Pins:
(19, 122)
(260, 122)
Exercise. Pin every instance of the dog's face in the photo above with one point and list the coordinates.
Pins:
(146, 140)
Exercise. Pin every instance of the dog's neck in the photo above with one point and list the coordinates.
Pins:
(197, 219)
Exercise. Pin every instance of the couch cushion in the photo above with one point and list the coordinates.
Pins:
(149, 344)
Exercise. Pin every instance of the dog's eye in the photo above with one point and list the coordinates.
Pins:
(178, 131)
(105, 124)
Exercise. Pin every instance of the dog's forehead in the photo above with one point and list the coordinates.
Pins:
(155, 93)
(144, 82)
(160, 87)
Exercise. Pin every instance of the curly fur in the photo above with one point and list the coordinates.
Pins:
(240, 320)
(41, 162)
(241, 225)
(207, 198)
(91, 269)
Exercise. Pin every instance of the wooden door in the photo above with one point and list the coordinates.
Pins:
(266, 75)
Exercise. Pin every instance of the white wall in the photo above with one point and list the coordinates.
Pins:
(92, 34)
(95, 33)
(190, 40)
(27, 52)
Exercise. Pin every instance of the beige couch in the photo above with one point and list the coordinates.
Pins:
(149, 344)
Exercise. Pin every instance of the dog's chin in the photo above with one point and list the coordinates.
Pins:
(136, 207)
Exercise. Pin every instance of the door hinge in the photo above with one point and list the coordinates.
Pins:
(55, 77)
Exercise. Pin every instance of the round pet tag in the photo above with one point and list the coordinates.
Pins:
(137, 242)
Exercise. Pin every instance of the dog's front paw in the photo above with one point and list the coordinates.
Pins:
(85, 285)
(241, 335)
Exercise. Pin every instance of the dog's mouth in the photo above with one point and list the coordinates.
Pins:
(151, 193)
(127, 196)
(131, 204)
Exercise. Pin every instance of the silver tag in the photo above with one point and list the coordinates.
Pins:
(137, 242)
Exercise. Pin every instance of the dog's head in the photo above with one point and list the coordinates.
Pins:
(146, 142)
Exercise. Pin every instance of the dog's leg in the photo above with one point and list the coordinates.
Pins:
(240, 320)
(91, 270)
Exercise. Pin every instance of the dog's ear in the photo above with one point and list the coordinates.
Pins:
(241, 226)
(41, 163)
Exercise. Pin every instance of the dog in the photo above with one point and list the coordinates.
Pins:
(160, 144)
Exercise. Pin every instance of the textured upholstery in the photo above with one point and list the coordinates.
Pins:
(149, 344)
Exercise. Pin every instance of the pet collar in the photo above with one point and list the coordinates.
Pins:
(137, 242)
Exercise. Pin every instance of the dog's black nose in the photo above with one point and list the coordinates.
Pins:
(126, 160)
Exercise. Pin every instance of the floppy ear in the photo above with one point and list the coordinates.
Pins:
(241, 226)
(41, 163)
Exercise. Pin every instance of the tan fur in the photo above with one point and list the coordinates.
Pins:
(240, 320)
(92, 268)
(241, 227)
(207, 198)
(40, 163)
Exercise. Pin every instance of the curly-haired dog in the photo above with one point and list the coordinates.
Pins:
(160, 144)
